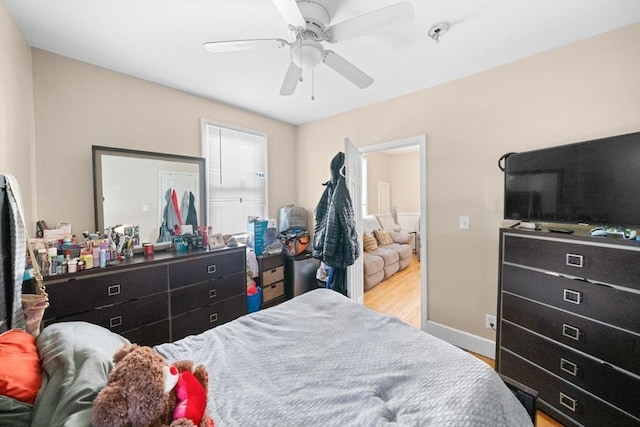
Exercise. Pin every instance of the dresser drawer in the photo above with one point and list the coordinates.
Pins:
(83, 293)
(123, 317)
(272, 291)
(203, 268)
(197, 321)
(272, 276)
(612, 345)
(154, 334)
(564, 397)
(205, 293)
(600, 302)
(600, 379)
(269, 262)
(594, 261)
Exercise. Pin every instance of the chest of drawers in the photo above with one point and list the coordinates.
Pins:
(569, 324)
(271, 278)
(151, 300)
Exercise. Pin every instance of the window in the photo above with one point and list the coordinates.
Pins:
(236, 176)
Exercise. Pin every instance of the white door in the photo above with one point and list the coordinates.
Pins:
(353, 170)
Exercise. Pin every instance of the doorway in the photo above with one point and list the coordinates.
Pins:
(419, 143)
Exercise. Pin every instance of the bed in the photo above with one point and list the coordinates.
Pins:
(317, 358)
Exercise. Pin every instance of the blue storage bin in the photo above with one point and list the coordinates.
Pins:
(254, 301)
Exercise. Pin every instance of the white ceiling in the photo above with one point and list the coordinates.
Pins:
(161, 41)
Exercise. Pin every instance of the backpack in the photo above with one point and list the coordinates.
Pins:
(295, 242)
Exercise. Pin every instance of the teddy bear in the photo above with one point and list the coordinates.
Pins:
(144, 390)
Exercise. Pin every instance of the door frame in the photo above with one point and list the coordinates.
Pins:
(421, 142)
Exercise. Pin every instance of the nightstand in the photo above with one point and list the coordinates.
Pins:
(271, 278)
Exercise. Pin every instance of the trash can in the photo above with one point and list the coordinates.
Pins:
(253, 301)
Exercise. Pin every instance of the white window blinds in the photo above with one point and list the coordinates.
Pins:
(236, 174)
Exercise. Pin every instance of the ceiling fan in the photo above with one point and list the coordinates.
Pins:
(309, 25)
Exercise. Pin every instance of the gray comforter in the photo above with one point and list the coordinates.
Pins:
(323, 359)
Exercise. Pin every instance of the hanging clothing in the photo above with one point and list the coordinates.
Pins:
(170, 218)
(335, 240)
(176, 209)
(192, 213)
(184, 205)
(11, 314)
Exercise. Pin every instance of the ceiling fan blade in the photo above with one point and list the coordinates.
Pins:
(237, 45)
(347, 70)
(291, 13)
(290, 80)
(399, 13)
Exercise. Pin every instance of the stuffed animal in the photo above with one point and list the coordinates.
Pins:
(144, 390)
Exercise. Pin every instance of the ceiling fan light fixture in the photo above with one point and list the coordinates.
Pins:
(307, 54)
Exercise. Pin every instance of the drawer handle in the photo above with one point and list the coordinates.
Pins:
(571, 332)
(568, 367)
(213, 318)
(115, 321)
(113, 290)
(212, 293)
(574, 260)
(211, 269)
(573, 297)
(568, 402)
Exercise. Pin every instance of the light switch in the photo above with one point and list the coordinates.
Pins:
(464, 223)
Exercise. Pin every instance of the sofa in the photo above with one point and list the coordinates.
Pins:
(385, 252)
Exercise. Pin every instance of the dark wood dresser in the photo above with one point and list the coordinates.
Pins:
(156, 299)
(569, 324)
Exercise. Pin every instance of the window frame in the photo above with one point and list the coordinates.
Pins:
(204, 133)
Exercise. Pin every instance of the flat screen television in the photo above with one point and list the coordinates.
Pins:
(592, 182)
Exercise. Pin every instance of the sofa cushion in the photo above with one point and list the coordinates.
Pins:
(383, 237)
(401, 237)
(404, 251)
(372, 263)
(388, 255)
(369, 242)
(391, 269)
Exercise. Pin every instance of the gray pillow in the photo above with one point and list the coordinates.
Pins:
(76, 360)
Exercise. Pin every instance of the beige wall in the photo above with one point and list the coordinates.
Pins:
(404, 174)
(78, 105)
(586, 90)
(17, 123)
(377, 171)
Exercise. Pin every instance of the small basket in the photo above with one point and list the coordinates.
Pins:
(273, 291)
(272, 276)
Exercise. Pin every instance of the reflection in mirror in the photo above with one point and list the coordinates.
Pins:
(154, 191)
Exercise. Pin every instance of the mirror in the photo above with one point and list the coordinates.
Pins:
(150, 190)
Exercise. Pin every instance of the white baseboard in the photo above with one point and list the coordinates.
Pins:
(465, 340)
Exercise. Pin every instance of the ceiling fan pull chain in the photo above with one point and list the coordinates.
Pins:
(300, 59)
(313, 98)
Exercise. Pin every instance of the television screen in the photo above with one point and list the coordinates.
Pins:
(593, 182)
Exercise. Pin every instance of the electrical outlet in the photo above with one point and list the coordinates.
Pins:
(490, 321)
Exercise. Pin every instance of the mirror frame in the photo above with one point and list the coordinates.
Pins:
(98, 197)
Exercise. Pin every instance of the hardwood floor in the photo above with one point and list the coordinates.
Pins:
(400, 296)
